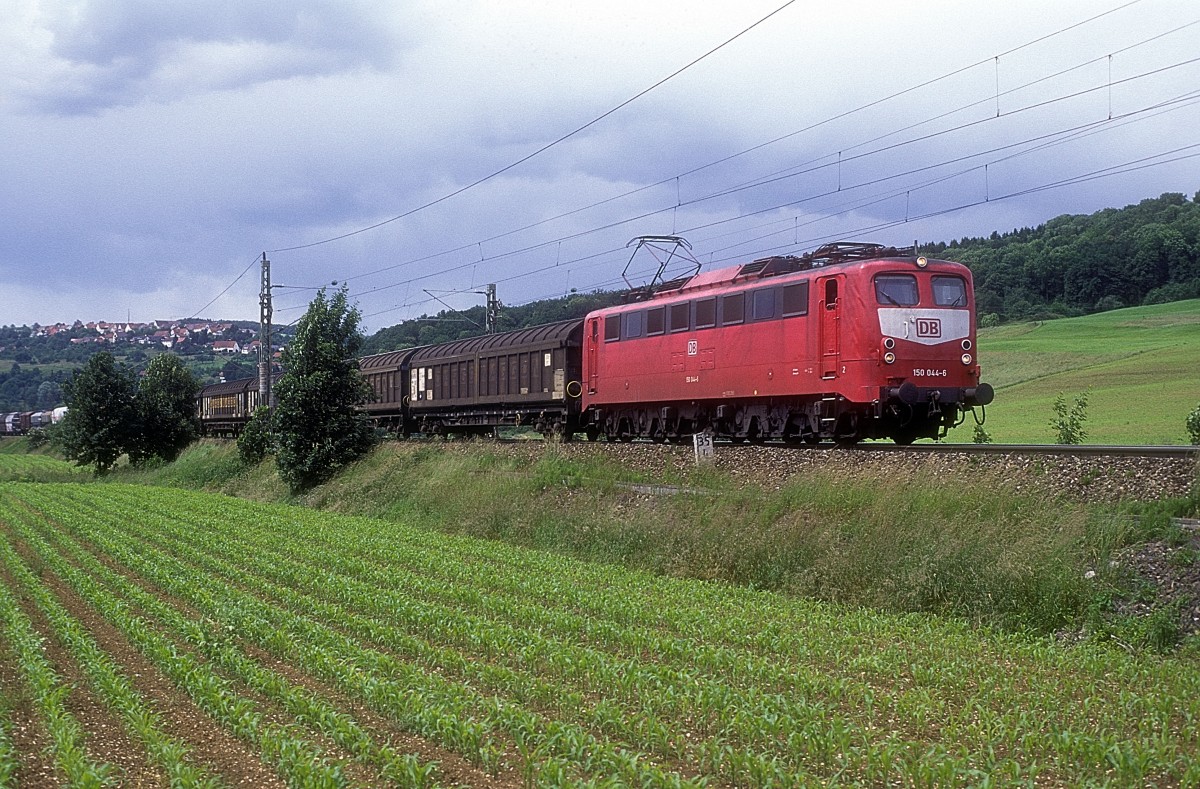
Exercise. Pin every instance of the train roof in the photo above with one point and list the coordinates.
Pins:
(384, 360)
(840, 253)
(551, 334)
(233, 387)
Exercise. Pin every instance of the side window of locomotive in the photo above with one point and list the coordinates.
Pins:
(949, 292)
(733, 309)
(612, 328)
(764, 304)
(656, 321)
(706, 313)
(899, 290)
(795, 299)
(633, 324)
(680, 317)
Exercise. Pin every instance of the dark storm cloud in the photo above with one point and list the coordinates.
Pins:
(154, 150)
(121, 52)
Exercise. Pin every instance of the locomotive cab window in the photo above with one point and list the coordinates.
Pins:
(795, 299)
(612, 328)
(949, 292)
(899, 290)
(733, 309)
(681, 316)
(706, 313)
(656, 320)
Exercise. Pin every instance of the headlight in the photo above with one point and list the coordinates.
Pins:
(922, 262)
(889, 343)
(889, 357)
(966, 344)
(966, 358)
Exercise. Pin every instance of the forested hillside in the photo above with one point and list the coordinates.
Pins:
(1073, 265)
(1147, 253)
(447, 325)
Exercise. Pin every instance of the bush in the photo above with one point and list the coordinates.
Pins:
(981, 436)
(1068, 422)
(988, 320)
(1193, 425)
(255, 442)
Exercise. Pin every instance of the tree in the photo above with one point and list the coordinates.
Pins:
(166, 405)
(103, 418)
(317, 426)
(49, 394)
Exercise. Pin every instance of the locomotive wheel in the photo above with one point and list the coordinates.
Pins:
(593, 433)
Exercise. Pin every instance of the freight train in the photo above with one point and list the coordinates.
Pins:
(19, 423)
(850, 342)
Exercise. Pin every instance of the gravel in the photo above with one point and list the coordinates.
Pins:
(1087, 479)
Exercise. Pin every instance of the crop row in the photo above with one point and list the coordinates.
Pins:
(34, 467)
(577, 673)
(160, 636)
(453, 714)
(110, 682)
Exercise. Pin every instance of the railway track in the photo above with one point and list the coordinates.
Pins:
(1064, 450)
(1072, 450)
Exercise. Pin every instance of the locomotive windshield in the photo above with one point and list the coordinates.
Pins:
(949, 292)
(899, 290)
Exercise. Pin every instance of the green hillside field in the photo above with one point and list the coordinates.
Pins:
(1140, 367)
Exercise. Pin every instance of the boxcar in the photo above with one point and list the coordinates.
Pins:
(525, 377)
(225, 408)
(387, 375)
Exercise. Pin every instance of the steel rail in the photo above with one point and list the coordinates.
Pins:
(1077, 450)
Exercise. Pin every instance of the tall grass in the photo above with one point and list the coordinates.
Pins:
(897, 541)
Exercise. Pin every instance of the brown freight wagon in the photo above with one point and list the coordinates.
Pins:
(525, 377)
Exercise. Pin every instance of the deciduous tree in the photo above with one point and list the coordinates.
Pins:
(318, 428)
(166, 405)
(102, 421)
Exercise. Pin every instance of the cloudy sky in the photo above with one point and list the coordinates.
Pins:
(153, 151)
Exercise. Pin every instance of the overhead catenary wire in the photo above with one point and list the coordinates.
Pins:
(1125, 167)
(548, 145)
(876, 102)
(676, 203)
(647, 214)
(989, 59)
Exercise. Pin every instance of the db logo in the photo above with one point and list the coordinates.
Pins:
(929, 327)
(693, 347)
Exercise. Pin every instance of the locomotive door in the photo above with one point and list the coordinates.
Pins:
(592, 340)
(830, 326)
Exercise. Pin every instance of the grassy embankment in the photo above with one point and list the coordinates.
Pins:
(1141, 367)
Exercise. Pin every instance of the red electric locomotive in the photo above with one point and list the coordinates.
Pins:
(852, 341)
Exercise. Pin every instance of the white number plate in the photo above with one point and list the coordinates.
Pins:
(928, 373)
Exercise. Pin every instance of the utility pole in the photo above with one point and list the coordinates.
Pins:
(493, 310)
(264, 336)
